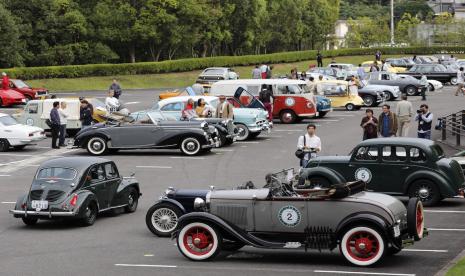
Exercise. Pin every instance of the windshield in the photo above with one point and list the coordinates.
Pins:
(213, 72)
(8, 121)
(437, 150)
(97, 103)
(334, 88)
(156, 115)
(20, 84)
(56, 173)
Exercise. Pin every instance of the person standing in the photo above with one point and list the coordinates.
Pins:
(266, 97)
(378, 55)
(319, 59)
(384, 66)
(460, 82)
(424, 85)
(353, 86)
(319, 86)
(370, 125)
(387, 122)
(224, 109)
(425, 120)
(269, 72)
(311, 85)
(63, 121)
(116, 88)
(263, 70)
(310, 144)
(55, 124)
(374, 67)
(85, 115)
(361, 72)
(404, 113)
(111, 102)
(5, 81)
(188, 112)
(256, 73)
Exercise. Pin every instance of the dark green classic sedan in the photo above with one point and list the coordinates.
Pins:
(396, 166)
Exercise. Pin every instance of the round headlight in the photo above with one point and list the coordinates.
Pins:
(199, 203)
(203, 124)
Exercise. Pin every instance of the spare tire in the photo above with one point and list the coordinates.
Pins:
(415, 219)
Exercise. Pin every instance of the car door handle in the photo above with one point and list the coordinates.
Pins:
(406, 168)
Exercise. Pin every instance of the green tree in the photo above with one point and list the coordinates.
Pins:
(10, 44)
(403, 26)
(365, 32)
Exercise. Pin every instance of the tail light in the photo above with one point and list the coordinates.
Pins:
(73, 200)
(23, 206)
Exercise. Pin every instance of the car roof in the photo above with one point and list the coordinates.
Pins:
(399, 141)
(256, 81)
(78, 163)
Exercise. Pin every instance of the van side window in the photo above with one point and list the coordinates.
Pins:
(32, 108)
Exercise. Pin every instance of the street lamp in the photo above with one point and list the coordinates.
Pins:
(392, 22)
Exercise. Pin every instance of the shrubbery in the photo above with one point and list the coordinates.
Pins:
(180, 65)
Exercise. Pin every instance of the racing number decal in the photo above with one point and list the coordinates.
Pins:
(29, 122)
(289, 101)
(363, 174)
(289, 216)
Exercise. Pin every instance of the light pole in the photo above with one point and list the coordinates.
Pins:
(392, 22)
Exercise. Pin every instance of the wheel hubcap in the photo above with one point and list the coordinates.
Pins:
(191, 146)
(164, 220)
(424, 193)
(97, 146)
(362, 246)
(198, 241)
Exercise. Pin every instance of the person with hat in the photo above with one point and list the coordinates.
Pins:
(5, 81)
(224, 109)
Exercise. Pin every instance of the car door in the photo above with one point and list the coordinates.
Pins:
(365, 165)
(395, 166)
(283, 214)
(113, 181)
(97, 184)
(137, 135)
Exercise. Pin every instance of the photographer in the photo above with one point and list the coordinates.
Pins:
(425, 119)
(308, 146)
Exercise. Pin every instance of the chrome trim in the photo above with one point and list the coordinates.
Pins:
(42, 213)
(113, 207)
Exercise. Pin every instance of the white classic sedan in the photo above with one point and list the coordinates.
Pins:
(13, 134)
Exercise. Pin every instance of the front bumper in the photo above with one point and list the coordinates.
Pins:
(43, 214)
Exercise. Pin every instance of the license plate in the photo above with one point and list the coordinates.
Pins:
(39, 204)
(396, 231)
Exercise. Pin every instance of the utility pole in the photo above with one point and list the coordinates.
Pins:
(392, 22)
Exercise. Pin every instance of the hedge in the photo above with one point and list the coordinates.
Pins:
(76, 71)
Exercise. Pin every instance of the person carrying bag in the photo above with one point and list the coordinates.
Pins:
(308, 146)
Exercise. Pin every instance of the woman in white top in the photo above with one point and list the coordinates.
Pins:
(63, 121)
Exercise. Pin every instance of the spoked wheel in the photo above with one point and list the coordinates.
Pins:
(369, 100)
(190, 146)
(362, 245)
(198, 241)
(4, 145)
(133, 201)
(426, 191)
(415, 219)
(30, 221)
(97, 146)
(162, 219)
(90, 214)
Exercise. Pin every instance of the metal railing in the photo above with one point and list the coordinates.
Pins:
(453, 124)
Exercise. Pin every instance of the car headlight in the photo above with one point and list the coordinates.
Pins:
(199, 203)
(203, 124)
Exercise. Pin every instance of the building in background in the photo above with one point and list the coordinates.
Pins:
(455, 7)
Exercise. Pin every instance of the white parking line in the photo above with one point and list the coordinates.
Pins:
(447, 229)
(128, 103)
(223, 150)
(146, 265)
(361, 273)
(341, 115)
(426, 250)
(4, 175)
(19, 155)
(180, 157)
(8, 202)
(154, 167)
(288, 130)
(444, 211)
(248, 142)
(328, 120)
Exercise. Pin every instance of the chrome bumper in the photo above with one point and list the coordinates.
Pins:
(42, 213)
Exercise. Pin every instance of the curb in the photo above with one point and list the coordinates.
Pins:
(448, 266)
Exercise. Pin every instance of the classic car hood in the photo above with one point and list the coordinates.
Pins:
(240, 194)
(330, 159)
(188, 193)
(10, 93)
(248, 112)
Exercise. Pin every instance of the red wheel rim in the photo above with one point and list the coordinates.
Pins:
(198, 240)
(419, 215)
(362, 246)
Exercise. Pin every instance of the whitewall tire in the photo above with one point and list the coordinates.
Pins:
(362, 246)
(198, 241)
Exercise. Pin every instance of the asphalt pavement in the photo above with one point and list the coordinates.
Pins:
(122, 245)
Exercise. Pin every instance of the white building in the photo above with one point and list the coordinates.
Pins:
(338, 39)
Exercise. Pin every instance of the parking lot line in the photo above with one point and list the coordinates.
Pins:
(444, 211)
(362, 273)
(223, 150)
(4, 175)
(128, 103)
(154, 167)
(14, 154)
(447, 229)
(426, 250)
(248, 142)
(8, 202)
(187, 157)
(146, 265)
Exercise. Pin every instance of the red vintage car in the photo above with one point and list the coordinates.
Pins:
(10, 97)
(28, 92)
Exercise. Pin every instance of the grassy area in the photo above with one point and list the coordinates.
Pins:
(458, 269)
(180, 79)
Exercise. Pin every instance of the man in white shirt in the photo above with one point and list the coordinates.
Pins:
(112, 104)
(264, 70)
(310, 144)
(460, 81)
(63, 121)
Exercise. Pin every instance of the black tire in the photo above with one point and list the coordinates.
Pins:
(318, 182)
(231, 245)
(350, 107)
(97, 145)
(287, 117)
(415, 218)
(190, 146)
(322, 114)
(4, 145)
(19, 147)
(410, 90)
(430, 87)
(133, 200)
(393, 250)
(426, 191)
(243, 131)
(369, 100)
(253, 135)
(388, 96)
(171, 213)
(72, 132)
(29, 221)
(222, 139)
(90, 214)
(229, 141)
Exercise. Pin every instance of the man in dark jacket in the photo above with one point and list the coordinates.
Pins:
(116, 89)
(266, 97)
(319, 59)
(85, 115)
(55, 124)
(387, 122)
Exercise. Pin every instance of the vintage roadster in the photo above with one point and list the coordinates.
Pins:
(286, 215)
(76, 188)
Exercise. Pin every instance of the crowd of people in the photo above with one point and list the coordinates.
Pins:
(199, 109)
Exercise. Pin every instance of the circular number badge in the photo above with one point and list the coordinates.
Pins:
(363, 174)
(29, 122)
(289, 216)
(289, 101)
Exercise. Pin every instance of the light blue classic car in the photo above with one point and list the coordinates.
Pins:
(250, 122)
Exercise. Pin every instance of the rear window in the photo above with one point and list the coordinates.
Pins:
(57, 173)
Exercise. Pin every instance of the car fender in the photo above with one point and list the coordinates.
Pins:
(171, 201)
(442, 184)
(226, 229)
(220, 128)
(333, 176)
(84, 198)
(84, 137)
(20, 201)
(360, 218)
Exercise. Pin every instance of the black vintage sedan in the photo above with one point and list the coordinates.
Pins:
(410, 87)
(434, 72)
(76, 188)
(191, 137)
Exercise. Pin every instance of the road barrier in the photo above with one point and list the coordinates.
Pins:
(453, 124)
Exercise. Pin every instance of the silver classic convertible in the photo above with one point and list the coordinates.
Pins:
(286, 215)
